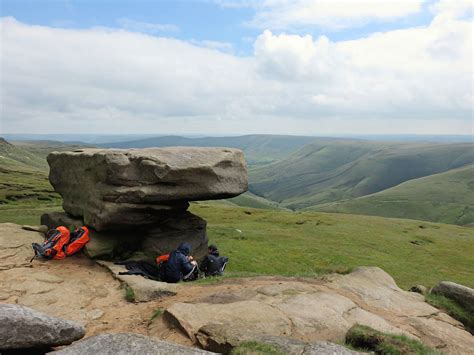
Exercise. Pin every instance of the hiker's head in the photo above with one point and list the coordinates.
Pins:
(184, 248)
(212, 249)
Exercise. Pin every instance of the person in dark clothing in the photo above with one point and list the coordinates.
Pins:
(180, 265)
(213, 264)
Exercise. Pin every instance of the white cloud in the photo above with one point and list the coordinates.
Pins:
(146, 27)
(100, 80)
(333, 14)
(217, 45)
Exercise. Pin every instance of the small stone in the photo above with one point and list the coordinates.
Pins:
(419, 289)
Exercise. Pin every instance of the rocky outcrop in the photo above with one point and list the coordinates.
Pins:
(314, 311)
(23, 328)
(461, 294)
(112, 188)
(126, 343)
(137, 199)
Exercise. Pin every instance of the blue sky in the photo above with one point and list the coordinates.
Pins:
(314, 67)
(193, 20)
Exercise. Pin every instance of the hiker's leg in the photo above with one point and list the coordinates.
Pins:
(189, 277)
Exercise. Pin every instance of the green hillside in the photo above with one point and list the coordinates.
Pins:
(258, 149)
(446, 197)
(24, 180)
(248, 199)
(334, 170)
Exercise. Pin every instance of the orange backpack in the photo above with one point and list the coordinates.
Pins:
(78, 239)
(162, 258)
(53, 245)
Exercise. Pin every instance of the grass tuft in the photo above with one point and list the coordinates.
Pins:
(129, 294)
(255, 348)
(365, 338)
(158, 313)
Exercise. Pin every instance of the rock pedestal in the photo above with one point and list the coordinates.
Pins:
(137, 199)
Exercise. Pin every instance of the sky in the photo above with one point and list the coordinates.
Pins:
(308, 67)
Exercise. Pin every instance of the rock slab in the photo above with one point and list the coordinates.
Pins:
(461, 294)
(125, 344)
(22, 328)
(140, 186)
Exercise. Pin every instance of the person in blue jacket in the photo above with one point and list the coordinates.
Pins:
(180, 265)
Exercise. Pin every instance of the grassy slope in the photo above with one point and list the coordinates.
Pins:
(333, 170)
(248, 199)
(307, 243)
(258, 149)
(25, 191)
(446, 197)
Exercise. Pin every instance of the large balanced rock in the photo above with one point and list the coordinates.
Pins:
(126, 343)
(23, 328)
(110, 188)
(461, 294)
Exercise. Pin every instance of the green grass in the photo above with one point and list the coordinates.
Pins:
(129, 294)
(157, 313)
(446, 197)
(368, 339)
(454, 309)
(332, 170)
(255, 348)
(310, 244)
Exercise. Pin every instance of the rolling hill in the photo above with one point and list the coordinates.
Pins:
(334, 170)
(445, 197)
(258, 149)
(24, 175)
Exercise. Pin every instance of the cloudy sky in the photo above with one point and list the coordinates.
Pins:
(312, 67)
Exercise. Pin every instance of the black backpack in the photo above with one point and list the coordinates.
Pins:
(215, 265)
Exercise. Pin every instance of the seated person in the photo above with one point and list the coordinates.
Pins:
(180, 265)
(213, 264)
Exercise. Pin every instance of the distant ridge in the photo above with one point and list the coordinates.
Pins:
(259, 149)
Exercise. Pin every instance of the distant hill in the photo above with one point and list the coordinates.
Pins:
(24, 173)
(446, 197)
(248, 199)
(258, 149)
(333, 170)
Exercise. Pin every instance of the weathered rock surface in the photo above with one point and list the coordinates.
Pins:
(126, 343)
(49, 286)
(155, 240)
(223, 337)
(461, 294)
(143, 289)
(22, 328)
(320, 311)
(141, 186)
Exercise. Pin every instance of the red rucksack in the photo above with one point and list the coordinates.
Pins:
(53, 245)
(78, 239)
(59, 243)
